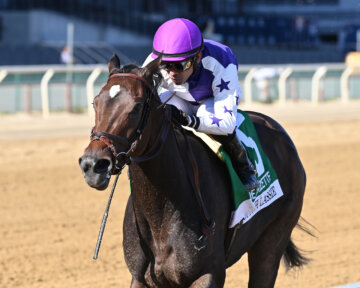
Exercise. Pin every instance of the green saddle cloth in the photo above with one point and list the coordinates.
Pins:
(246, 204)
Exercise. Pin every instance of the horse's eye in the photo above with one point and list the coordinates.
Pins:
(136, 110)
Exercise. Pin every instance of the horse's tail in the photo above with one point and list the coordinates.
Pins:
(294, 256)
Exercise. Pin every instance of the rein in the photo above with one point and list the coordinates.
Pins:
(192, 172)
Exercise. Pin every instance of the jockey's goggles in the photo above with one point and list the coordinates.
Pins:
(178, 66)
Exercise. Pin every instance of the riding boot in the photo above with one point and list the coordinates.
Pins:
(241, 163)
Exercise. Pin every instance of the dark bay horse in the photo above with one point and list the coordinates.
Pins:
(163, 219)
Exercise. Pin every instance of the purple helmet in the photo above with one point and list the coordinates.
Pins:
(177, 40)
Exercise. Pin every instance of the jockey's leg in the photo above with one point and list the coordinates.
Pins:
(241, 163)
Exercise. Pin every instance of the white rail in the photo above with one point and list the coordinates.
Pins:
(317, 74)
(3, 74)
(248, 85)
(45, 92)
(315, 84)
(344, 82)
(282, 84)
(90, 89)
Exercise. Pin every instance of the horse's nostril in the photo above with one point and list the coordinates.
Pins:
(86, 167)
(101, 166)
(85, 164)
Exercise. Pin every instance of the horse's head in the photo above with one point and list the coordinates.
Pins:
(122, 111)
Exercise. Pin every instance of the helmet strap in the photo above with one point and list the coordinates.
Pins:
(196, 64)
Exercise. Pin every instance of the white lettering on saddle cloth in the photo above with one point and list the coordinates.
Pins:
(261, 201)
(269, 196)
(263, 182)
(266, 196)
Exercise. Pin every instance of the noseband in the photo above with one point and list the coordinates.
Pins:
(123, 158)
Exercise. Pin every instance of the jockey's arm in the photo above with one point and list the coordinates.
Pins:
(221, 118)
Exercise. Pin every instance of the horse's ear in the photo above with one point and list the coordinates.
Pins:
(150, 69)
(114, 63)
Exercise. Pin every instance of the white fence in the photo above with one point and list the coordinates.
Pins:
(72, 88)
(315, 83)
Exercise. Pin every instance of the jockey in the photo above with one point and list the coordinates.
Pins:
(201, 80)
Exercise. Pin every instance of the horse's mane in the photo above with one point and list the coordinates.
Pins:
(133, 68)
(125, 69)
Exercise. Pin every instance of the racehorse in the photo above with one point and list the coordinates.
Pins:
(169, 233)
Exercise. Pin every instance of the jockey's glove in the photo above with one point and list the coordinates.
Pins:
(179, 117)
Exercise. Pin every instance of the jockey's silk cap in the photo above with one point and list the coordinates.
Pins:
(177, 40)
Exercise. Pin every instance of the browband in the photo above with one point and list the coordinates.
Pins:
(133, 76)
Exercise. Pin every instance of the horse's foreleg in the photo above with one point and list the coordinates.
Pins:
(205, 281)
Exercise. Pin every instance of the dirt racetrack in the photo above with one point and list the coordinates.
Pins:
(50, 218)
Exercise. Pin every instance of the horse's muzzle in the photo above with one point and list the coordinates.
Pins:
(97, 172)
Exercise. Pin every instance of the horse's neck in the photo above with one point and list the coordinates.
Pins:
(160, 184)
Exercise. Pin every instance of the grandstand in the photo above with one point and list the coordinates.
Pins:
(273, 32)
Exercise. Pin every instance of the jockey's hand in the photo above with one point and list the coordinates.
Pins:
(181, 118)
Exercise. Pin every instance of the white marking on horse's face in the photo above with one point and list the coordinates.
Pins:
(114, 90)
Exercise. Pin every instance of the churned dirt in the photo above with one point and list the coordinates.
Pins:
(50, 218)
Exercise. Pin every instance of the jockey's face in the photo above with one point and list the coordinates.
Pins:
(178, 72)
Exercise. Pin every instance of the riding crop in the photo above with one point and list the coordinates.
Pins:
(103, 223)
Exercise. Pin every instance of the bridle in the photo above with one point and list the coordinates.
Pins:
(123, 158)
